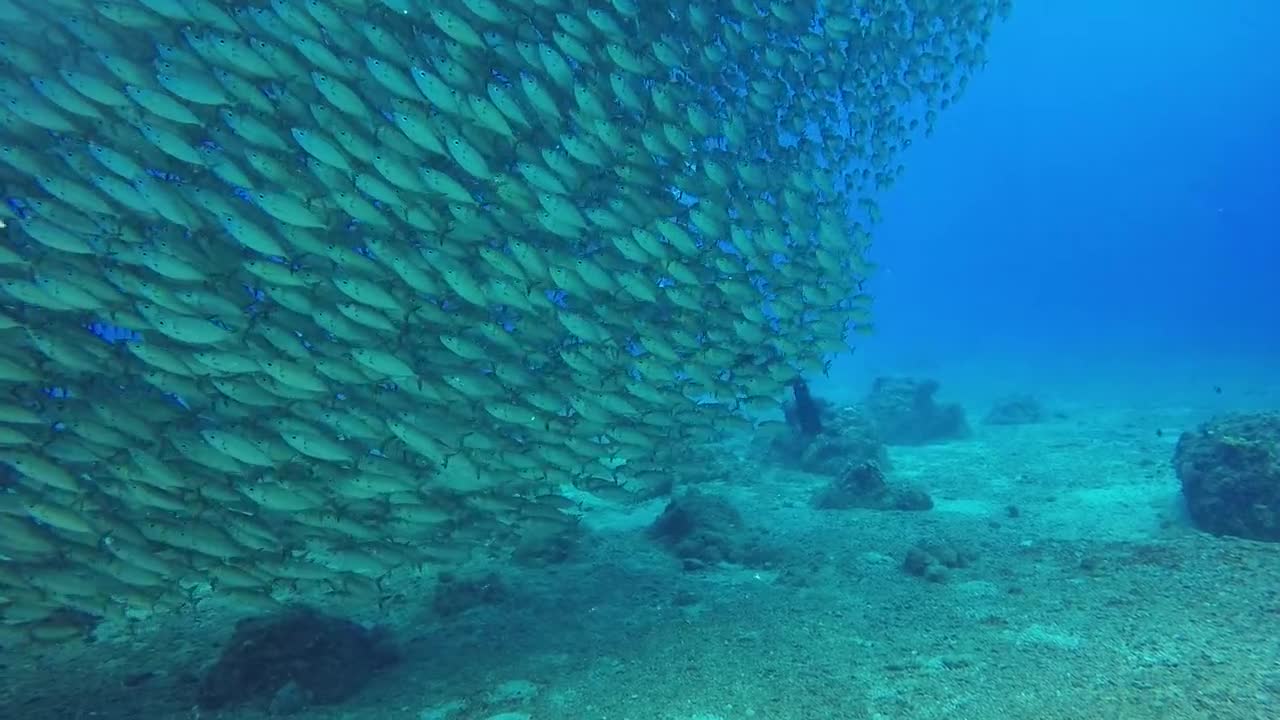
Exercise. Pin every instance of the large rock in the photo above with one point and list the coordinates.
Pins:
(456, 593)
(905, 412)
(848, 437)
(1016, 410)
(1230, 473)
(292, 660)
(863, 485)
(704, 530)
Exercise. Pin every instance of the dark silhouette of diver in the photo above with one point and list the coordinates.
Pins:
(806, 413)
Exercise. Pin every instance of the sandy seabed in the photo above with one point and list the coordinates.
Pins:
(1094, 600)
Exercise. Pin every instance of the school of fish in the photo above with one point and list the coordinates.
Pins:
(297, 293)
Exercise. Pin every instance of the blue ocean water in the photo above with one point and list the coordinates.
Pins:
(1102, 202)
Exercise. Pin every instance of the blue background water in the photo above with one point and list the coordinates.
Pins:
(1102, 202)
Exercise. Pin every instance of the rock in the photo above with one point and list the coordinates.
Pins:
(704, 530)
(917, 561)
(446, 711)
(911, 499)
(863, 485)
(905, 412)
(513, 692)
(685, 598)
(458, 593)
(848, 436)
(1016, 410)
(933, 561)
(288, 700)
(541, 547)
(1229, 468)
(807, 573)
(325, 659)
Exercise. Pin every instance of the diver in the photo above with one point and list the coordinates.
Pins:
(805, 413)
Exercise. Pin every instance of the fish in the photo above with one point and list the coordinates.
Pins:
(307, 295)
